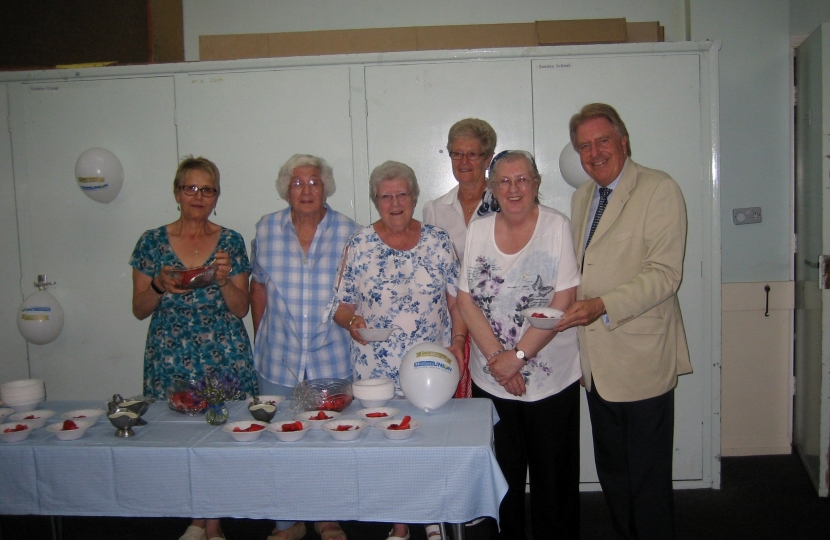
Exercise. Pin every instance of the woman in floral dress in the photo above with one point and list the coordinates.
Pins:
(397, 273)
(193, 332)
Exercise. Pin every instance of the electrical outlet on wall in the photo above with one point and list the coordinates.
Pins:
(745, 216)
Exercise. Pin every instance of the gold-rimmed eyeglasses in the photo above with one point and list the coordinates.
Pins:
(387, 198)
(522, 182)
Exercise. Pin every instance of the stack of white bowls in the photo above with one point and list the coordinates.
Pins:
(23, 395)
(374, 392)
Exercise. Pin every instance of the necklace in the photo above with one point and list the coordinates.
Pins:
(468, 209)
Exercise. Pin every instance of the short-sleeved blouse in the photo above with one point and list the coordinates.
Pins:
(193, 333)
(503, 285)
(406, 290)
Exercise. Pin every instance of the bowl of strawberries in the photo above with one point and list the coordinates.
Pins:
(69, 430)
(288, 431)
(246, 430)
(182, 397)
(15, 431)
(544, 318)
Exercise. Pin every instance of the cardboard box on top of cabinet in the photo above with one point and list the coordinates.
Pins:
(425, 38)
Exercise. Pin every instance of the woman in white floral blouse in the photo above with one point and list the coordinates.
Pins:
(397, 273)
(523, 257)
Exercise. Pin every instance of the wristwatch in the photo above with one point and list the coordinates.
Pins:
(520, 354)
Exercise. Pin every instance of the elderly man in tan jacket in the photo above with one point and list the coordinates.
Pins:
(630, 236)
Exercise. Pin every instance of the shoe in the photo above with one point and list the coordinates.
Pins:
(294, 532)
(474, 522)
(333, 533)
(390, 537)
(433, 532)
(193, 533)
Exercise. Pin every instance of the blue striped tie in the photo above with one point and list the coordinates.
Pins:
(603, 201)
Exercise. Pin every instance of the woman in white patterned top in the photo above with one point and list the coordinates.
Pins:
(519, 258)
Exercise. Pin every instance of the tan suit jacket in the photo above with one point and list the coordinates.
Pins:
(635, 264)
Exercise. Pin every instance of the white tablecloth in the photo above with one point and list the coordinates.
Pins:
(178, 465)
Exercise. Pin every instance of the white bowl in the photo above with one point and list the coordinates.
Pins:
(374, 334)
(92, 414)
(397, 434)
(388, 412)
(4, 412)
(551, 317)
(244, 436)
(357, 427)
(373, 390)
(306, 416)
(24, 407)
(37, 419)
(373, 403)
(273, 400)
(22, 391)
(15, 436)
(289, 436)
(69, 434)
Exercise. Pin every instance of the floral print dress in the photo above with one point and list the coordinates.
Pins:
(193, 333)
(406, 290)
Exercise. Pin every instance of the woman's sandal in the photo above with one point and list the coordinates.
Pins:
(294, 532)
(193, 533)
(331, 533)
(433, 532)
(390, 537)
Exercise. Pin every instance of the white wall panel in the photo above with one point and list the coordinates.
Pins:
(84, 245)
(412, 107)
(658, 98)
(250, 123)
(14, 362)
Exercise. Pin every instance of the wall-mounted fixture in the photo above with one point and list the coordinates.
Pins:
(571, 167)
(99, 174)
(40, 317)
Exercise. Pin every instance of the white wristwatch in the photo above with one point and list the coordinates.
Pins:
(520, 354)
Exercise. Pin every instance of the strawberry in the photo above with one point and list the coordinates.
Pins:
(403, 425)
(18, 427)
(30, 417)
(343, 428)
(69, 425)
(294, 426)
(376, 415)
(320, 416)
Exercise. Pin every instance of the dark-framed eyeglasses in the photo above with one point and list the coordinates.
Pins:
(192, 190)
(472, 156)
(312, 183)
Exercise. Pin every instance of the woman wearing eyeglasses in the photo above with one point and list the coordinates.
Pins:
(470, 144)
(193, 332)
(400, 274)
(523, 257)
(295, 256)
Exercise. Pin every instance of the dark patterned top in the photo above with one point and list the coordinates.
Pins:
(193, 333)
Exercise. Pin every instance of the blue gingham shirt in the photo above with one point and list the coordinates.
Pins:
(297, 339)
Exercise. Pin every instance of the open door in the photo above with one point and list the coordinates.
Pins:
(812, 316)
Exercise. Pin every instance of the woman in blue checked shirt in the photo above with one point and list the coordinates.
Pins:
(295, 256)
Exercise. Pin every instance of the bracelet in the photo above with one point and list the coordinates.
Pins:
(494, 354)
(352, 321)
(155, 287)
(459, 335)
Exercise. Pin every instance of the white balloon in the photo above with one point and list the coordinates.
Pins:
(40, 318)
(571, 167)
(99, 174)
(429, 375)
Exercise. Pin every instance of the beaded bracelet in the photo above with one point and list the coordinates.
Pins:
(494, 354)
